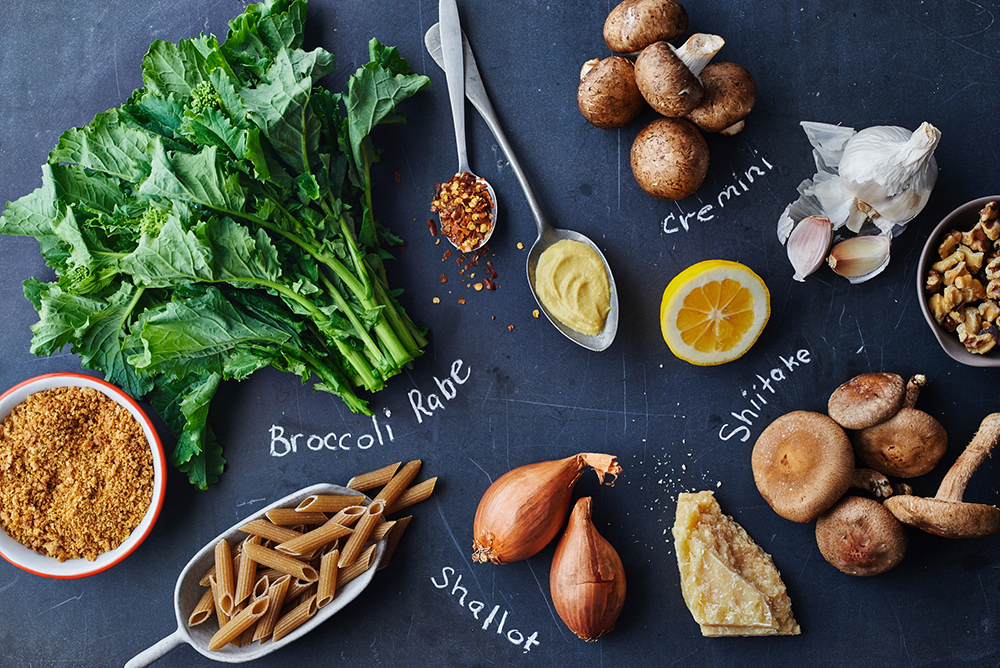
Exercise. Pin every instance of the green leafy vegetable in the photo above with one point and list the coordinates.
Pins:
(220, 221)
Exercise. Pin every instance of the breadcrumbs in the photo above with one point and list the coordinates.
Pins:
(76, 473)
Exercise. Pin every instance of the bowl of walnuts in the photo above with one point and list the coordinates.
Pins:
(958, 282)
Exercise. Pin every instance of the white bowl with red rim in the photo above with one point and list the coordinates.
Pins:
(40, 564)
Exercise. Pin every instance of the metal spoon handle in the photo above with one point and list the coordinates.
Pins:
(451, 53)
(476, 93)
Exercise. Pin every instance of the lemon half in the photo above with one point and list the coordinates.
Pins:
(713, 312)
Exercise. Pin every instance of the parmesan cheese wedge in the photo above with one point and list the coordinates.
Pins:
(729, 583)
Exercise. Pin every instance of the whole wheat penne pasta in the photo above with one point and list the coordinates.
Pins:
(271, 573)
(276, 592)
(381, 530)
(295, 618)
(246, 573)
(296, 588)
(327, 588)
(393, 539)
(360, 565)
(328, 503)
(222, 615)
(224, 576)
(315, 539)
(269, 530)
(416, 494)
(247, 636)
(348, 516)
(373, 479)
(238, 624)
(209, 573)
(356, 542)
(203, 610)
(289, 516)
(395, 487)
(260, 588)
(282, 562)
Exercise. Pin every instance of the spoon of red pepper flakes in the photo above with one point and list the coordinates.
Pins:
(466, 203)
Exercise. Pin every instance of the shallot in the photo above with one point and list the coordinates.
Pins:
(523, 510)
(587, 578)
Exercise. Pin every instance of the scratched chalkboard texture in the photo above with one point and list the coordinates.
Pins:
(528, 393)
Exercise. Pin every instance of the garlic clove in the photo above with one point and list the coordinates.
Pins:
(860, 258)
(808, 244)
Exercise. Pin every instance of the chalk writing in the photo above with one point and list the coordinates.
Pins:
(282, 445)
(747, 416)
(447, 387)
(514, 636)
(675, 222)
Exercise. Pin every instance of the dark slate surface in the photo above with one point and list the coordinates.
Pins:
(531, 394)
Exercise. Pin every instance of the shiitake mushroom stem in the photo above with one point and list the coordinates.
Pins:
(913, 387)
(947, 514)
(872, 481)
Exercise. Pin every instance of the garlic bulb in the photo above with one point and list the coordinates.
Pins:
(880, 177)
(890, 171)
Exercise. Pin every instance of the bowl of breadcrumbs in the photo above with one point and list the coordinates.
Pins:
(82, 475)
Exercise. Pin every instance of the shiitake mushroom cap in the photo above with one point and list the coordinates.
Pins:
(908, 444)
(858, 536)
(802, 464)
(866, 400)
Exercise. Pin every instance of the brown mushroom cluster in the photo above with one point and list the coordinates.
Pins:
(804, 463)
(669, 156)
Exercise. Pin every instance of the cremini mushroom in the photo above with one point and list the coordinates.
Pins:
(860, 537)
(607, 96)
(867, 400)
(802, 464)
(669, 158)
(730, 94)
(668, 77)
(635, 24)
(908, 444)
(947, 514)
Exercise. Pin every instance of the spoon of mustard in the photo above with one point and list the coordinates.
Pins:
(547, 235)
(466, 203)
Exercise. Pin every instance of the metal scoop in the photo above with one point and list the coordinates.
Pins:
(452, 56)
(547, 235)
(187, 593)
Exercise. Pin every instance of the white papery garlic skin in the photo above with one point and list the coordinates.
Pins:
(807, 245)
(891, 171)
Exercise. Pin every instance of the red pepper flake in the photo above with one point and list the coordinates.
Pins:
(466, 210)
(490, 285)
(447, 254)
(432, 226)
(510, 328)
(444, 279)
(461, 300)
(397, 177)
